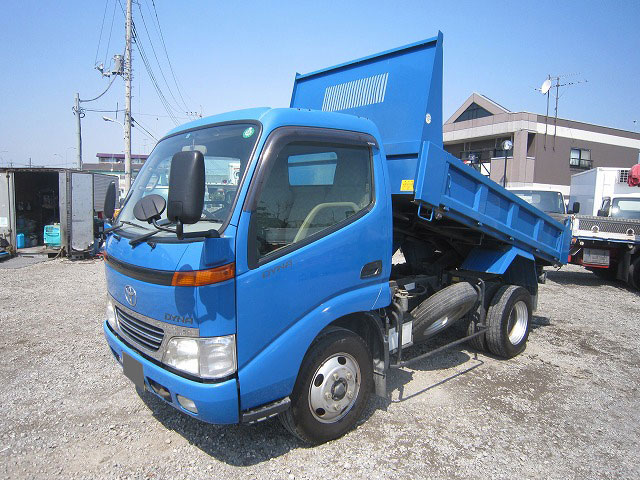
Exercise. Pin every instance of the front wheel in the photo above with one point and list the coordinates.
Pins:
(332, 388)
(509, 321)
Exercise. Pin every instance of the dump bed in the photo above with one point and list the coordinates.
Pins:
(400, 90)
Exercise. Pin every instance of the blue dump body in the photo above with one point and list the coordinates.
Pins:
(308, 205)
(401, 92)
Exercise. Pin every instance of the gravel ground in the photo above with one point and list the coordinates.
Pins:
(566, 408)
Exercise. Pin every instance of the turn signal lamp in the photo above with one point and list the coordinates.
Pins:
(198, 278)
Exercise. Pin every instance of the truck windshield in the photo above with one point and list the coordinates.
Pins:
(626, 208)
(226, 151)
(547, 201)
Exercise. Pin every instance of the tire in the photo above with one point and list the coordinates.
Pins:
(509, 321)
(338, 363)
(442, 309)
(474, 318)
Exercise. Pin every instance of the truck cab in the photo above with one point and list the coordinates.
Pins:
(622, 206)
(319, 201)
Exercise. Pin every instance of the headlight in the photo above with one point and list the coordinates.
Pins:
(111, 314)
(213, 357)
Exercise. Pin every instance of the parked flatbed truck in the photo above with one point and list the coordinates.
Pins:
(283, 299)
(606, 234)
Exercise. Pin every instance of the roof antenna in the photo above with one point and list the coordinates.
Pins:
(545, 88)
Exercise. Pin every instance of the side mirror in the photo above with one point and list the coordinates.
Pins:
(110, 201)
(186, 187)
(576, 207)
(149, 208)
(603, 213)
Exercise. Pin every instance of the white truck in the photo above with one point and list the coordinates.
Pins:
(606, 236)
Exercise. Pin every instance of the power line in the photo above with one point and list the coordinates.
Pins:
(164, 46)
(142, 127)
(147, 65)
(104, 14)
(133, 113)
(153, 49)
(113, 17)
(107, 89)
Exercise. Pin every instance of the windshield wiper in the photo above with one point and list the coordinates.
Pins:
(123, 223)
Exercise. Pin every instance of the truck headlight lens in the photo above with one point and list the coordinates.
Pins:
(213, 357)
(111, 315)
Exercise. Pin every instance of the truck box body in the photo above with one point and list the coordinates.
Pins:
(590, 188)
(299, 249)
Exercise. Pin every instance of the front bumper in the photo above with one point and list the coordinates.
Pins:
(216, 402)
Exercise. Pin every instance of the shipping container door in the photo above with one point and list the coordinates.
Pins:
(7, 216)
(81, 211)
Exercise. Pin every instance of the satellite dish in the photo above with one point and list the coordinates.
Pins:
(546, 85)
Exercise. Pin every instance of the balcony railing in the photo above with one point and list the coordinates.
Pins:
(580, 163)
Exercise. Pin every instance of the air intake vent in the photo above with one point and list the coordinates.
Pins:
(357, 93)
(141, 332)
(623, 176)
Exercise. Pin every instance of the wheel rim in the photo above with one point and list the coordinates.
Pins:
(444, 322)
(518, 319)
(334, 388)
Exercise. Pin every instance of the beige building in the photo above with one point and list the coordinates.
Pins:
(475, 132)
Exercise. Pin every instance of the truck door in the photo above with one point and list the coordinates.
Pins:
(81, 211)
(315, 230)
(7, 220)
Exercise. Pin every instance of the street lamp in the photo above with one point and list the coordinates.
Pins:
(506, 146)
(127, 162)
(61, 159)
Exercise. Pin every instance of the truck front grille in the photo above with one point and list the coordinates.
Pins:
(139, 331)
(624, 227)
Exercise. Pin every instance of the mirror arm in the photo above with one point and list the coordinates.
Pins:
(159, 227)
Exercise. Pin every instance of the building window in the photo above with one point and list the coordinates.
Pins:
(472, 112)
(580, 158)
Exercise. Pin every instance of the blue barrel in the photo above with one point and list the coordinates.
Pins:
(20, 240)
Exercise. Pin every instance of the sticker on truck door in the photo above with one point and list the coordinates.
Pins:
(406, 186)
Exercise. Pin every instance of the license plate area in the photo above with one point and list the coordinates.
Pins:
(133, 370)
(596, 256)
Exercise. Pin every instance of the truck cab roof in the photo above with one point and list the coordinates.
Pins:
(272, 118)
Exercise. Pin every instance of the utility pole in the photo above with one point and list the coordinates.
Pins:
(555, 123)
(127, 108)
(79, 114)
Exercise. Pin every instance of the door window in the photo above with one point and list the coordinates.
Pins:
(311, 189)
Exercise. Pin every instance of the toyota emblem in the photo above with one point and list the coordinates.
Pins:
(130, 295)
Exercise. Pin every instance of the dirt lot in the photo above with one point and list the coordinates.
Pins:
(566, 408)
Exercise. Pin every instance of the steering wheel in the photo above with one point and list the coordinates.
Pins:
(311, 216)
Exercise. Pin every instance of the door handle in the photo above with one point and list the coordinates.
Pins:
(371, 269)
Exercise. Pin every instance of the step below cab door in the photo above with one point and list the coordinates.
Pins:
(314, 244)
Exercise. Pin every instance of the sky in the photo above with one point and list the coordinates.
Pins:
(227, 55)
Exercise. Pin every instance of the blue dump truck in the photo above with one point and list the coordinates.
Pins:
(250, 269)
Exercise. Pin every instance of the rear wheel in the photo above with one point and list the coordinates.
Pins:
(477, 317)
(509, 321)
(332, 388)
